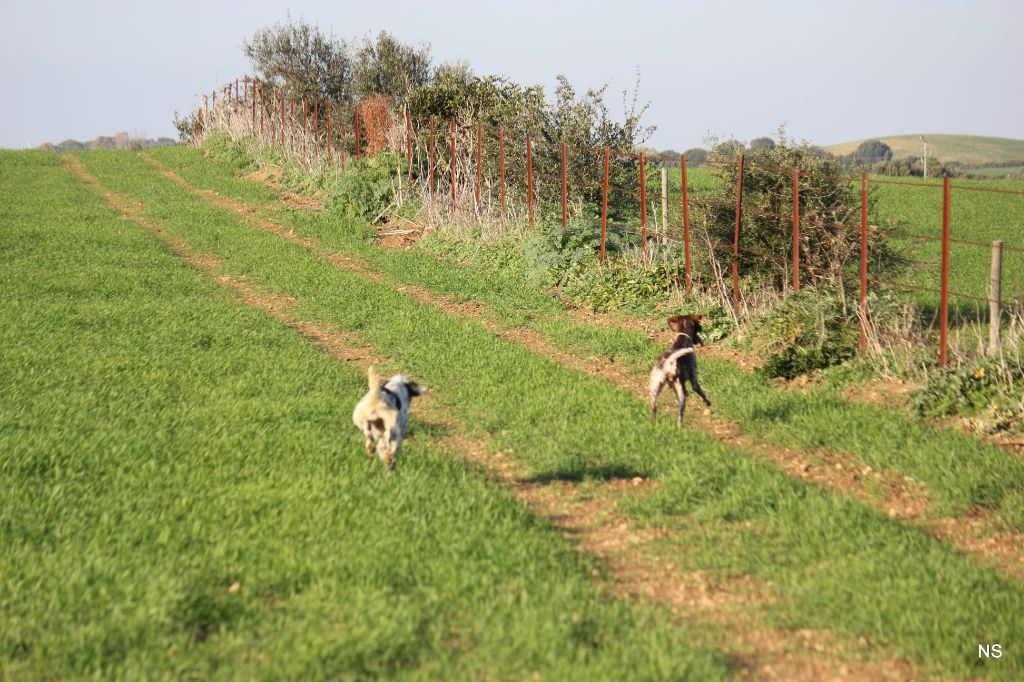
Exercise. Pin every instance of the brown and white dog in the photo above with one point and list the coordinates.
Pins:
(678, 364)
(383, 415)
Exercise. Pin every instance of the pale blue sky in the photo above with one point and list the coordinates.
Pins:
(833, 70)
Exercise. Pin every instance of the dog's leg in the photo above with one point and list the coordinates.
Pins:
(680, 389)
(697, 388)
(396, 447)
(657, 382)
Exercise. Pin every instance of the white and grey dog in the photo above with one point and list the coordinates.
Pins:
(383, 414)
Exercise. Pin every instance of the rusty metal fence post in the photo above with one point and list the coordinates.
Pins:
(863, 260)
(565, 191)
(796, 229)
(687, 276)
(501, 169)
(341, 142)
(305, 128)
(284, 121)
(408, 143)
(529, 177)
(358, 131)
(479, 160)
(944, 286)
(431, 165)
(316, 126)
(453, 163)
(330, 160)
(736, 236)
(604, 204)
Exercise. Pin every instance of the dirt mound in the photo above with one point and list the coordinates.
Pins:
(268, 175)
(399, 233)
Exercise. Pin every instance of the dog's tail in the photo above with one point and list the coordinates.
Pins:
(373, 379)
(676, 355)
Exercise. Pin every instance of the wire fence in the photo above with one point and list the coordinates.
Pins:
(475, 169)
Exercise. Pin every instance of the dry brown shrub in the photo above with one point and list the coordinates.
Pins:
(376, 117)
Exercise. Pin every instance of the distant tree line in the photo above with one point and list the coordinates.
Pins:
(120, 140)
(875, 156)
(872, 156)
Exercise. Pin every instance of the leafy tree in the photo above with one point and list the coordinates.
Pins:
(386, 66)
(727, 150)
(829, 216)
(696, 155)
(871, 151)
(299, 59)
(762, 143)
(819, 152)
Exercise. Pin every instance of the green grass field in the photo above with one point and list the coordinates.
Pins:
(971, 149)
(974, 216)
(997, 172)
(165, 441)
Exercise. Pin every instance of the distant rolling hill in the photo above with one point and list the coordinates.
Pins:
(967, 149)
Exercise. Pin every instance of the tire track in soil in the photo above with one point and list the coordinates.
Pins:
(724, 608)
(903, 498)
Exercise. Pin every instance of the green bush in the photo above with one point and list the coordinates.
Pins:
(807, 331)
(982, 387)
(553, 253)
(366, 191)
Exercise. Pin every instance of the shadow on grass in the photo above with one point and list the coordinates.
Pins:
(587, 472)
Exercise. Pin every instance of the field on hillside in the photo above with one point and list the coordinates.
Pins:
(970, 149)
(186, 495)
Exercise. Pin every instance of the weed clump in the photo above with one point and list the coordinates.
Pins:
(806, 331)
(367, 191)
(982, 389)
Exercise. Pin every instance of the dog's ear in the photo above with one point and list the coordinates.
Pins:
(415, 390)
(675, 323)
(697, 318)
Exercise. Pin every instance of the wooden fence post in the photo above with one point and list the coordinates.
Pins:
(995, 294)
(643, 209)
(944, 281)
(664, 199)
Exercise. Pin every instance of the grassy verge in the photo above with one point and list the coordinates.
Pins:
(185, 496)
(833, 563)
(960, 472)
